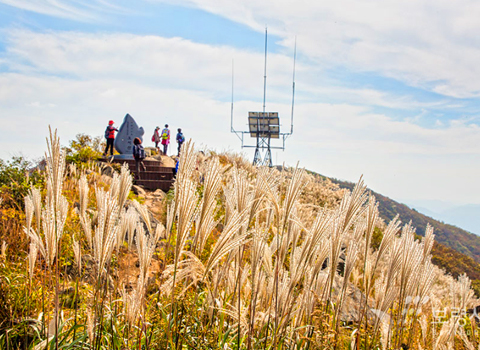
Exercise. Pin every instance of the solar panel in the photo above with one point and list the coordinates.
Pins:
(264, 124)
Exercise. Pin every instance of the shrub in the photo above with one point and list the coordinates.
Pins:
(84, 149)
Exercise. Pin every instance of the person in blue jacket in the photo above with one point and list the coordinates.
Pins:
(180, 140)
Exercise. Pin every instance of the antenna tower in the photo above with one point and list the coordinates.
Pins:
(264, 126)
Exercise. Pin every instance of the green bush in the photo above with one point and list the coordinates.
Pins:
(16, 177)
(84, 149)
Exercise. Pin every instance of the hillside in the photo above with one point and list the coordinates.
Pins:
(232, 257)
(455, 250)
(451, 236)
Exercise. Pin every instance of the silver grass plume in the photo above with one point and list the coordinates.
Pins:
(266, 178)
(463, 292)
(228, 240)
(352, 205)
(350, 261)
(146, 246)
(3, 252)
(205, 222)
(412, 256)
(83, 194)
(54, 213)
(32, 258)
(187, 197)
(186, 167)
(90, 325)
(190, 269)
(311, 243)
(121, 185)
(28, 211)
(131, 217)
(106, 229)
(86, 224)
(133, 302)
(427, 242)
(294, 189)
(38, 241)
(53, 221)
(144, 214)
(55, 167)
(36, 198)
(388, 238)
(77, 254)
(72, 169)
(371, 219)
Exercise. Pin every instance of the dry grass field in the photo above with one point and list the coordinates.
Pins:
(233, 257)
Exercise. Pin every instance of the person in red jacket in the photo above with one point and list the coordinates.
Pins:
(110, 136)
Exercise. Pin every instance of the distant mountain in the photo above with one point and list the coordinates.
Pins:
(451, 236)
(435, 206)
(465, 216)
(455, 250)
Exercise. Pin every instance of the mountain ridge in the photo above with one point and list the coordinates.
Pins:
(450, 236)
(455, 250)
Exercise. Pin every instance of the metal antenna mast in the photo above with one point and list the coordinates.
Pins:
(265, 73)
(264, 125)
(293, 84)
(263, 139)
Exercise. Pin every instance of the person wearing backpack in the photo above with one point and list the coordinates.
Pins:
(110, 136)
(165, 139)
(180, 140)
(156, 138)
(139, 155)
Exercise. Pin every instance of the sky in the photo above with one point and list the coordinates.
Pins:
(385, 89)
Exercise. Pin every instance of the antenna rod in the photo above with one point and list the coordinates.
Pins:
(231, 109)
(265, 72)
(293, 85)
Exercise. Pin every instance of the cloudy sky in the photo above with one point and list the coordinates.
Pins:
(387, 89)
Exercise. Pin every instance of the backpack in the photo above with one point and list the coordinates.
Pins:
(165, 134)
(139, 152)
(180, 138)
(110, 132)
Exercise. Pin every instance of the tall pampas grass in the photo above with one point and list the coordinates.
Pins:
(205, 223)
(121, 185)
(106, 230)
(32, 258)
(250, 260)
(83, 190)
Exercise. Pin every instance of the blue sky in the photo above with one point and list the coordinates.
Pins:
(390, 91)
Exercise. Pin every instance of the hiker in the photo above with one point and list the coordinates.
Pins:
(156, 138)
(139, 155)
(180, 140)
(165, 139)
(175, 170)
(110, 136)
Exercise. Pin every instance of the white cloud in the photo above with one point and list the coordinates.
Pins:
(429, 44)
(77, 82)
(425, 43)
(153, 60)
(86, 10)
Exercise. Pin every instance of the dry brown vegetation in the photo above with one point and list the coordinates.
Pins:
(234, 257)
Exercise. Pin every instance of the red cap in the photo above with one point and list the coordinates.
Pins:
(110, 122)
